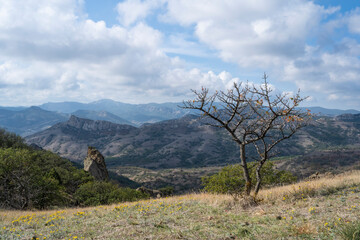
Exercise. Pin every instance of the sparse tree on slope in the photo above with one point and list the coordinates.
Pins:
(252, 115)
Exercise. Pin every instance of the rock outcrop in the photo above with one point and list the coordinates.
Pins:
(94, 163)
(150, 192)
(98, 126)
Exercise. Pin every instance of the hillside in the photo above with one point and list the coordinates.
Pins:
(70, 139)
(184, 142)
(334, 161)
(326, 208)
(171, 143)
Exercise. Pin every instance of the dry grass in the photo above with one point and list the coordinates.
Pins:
(325, 185)
(306, 210)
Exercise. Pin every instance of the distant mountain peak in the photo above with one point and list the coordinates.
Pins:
(74, 119)
(104, 101)
(36, 108)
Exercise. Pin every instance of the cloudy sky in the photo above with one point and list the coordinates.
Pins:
(140, 51)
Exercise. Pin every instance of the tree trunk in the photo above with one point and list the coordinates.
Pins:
(258, 178)
(246, 171)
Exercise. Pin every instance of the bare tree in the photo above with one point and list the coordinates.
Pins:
(252, 115)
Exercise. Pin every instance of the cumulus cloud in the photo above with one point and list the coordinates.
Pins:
(251, 33)
(293, 40)
(52, 51)
(331, 76)
(131, 11)
(354, 21)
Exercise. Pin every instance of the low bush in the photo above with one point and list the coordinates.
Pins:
(230, 179)
(102, 193)
(167, 191)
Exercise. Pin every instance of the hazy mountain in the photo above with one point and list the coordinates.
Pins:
(29, 120)
(65, 107)
(12, 108)
(135, 113)
(34, 119)
(331, 112)
(151, 112)
(183, 142)
(100, 115)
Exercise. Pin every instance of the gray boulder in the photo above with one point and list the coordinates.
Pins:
(94, 163)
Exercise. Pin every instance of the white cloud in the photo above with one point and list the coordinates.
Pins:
(293, 40)
(131, 11)
(333, 97)
(66, 56)
(334, 77)
(251, 33)
(52, 51)
(354, 21)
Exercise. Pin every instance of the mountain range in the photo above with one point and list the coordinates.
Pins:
(183, 142)
(171, 143)
(137, 114)
(28, 120)
(163, 136)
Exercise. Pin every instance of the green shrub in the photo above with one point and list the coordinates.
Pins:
(230, 179)
(100, 193)
(35, 179)
(40, 179)
(24, 184)
(32, 179)
(166, 191)
(11, 140)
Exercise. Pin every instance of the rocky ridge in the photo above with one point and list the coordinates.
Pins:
(183, 142)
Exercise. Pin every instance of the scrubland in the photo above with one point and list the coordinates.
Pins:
(325, 208)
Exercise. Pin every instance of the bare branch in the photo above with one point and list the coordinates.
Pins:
(252, 115)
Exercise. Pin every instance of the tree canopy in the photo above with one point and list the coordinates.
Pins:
(252, 115)
(38, 179)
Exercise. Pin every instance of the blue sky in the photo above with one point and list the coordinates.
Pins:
(141, 51)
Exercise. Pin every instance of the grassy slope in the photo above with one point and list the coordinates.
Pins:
(308, 210)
